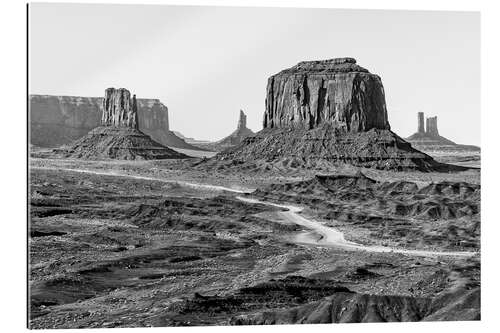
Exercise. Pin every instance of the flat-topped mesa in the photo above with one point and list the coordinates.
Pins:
(336, 91)
(118, 109)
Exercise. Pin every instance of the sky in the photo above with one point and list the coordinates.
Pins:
(207, 63)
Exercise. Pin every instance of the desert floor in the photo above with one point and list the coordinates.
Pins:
(163, 243)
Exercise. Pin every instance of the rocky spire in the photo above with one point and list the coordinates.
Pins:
(431, 126)
(421, 128)
(242, 122)
(118, 109)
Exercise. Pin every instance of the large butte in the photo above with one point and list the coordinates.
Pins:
(320, 114)
(119, 136)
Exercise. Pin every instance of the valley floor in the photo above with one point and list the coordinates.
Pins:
(128, 244)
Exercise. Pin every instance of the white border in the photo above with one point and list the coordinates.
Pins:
(13, 141)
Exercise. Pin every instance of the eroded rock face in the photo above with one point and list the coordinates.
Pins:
(118, 109)
(336, 91)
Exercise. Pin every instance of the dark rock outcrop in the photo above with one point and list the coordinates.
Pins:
(303, 300)
(430, 141)
(336, 91)
(118, 109)
(59, 120)
(344, 307)
(323, 113)
(118, 137)
(234, 138)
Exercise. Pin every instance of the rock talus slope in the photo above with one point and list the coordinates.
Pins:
(322, 113)
(361, 308)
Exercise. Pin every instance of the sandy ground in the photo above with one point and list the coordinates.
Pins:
(128, 244)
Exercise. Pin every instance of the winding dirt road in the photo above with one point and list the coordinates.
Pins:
(335, 238)
(329, 237)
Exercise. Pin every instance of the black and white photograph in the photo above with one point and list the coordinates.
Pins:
(218, 165)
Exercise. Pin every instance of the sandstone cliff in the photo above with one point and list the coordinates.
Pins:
(118, 109)
(336, 91)
(320, 114)
(119, 136)
(58, 120)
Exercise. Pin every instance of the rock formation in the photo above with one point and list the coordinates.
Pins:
(242, 122)
(234, 138)
(420, 128)
(335, 91)
(118, 109)
(431, 127)
(59, 120)
(118, 137)
(320, 114)
(430, 141)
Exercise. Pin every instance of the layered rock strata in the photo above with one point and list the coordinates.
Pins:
(59, 120)
(118, 109)
(118, 137)
(323, 113)
(337, 92)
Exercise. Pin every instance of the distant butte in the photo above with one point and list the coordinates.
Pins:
(429, 140)
(235, 138)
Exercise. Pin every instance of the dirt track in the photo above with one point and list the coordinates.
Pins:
(332, 237)
(329, 236)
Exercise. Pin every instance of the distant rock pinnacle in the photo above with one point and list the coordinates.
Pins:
(242, 122)
(420, 128)
(431, 127)
(430, 141)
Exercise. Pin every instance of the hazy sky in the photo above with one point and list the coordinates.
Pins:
(207, 63)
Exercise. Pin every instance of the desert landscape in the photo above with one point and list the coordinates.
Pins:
(325, 215)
